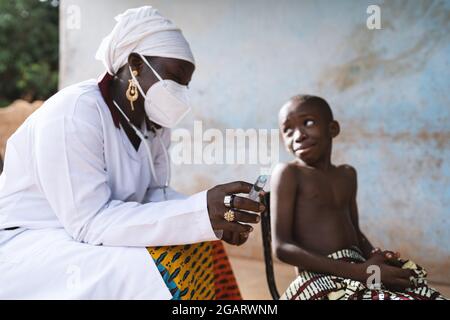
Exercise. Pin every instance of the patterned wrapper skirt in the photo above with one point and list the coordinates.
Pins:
(315, 286)
(199, 271)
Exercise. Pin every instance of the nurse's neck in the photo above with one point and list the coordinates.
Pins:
(136, 112)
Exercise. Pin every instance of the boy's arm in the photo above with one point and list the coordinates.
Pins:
(364, 243)
(282, 205)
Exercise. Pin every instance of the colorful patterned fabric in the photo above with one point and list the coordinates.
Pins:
(198, 271)
(315, 286)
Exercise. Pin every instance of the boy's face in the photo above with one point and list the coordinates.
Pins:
(305, 131)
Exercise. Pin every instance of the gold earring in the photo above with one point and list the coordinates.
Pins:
(132, 92)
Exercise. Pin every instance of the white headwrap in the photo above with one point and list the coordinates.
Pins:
(142, 30)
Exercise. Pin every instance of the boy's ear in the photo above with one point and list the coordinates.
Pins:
(334, 128)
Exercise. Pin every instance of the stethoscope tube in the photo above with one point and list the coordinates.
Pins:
(144, 139)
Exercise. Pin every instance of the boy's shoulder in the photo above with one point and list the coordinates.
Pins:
(286, 168)
(348, 171)
(283, 170)
(346, 168)
(289, 170)
(284, 177)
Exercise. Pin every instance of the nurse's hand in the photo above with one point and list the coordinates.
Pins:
(235, 232)
(235, 238)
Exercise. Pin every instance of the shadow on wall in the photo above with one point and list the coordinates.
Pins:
(11, 118)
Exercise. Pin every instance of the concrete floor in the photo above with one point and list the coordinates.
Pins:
(251, 278)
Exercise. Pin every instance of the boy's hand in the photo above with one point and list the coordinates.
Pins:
(392, 277)
(392, 257)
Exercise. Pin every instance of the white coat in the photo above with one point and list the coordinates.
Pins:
(81, 196)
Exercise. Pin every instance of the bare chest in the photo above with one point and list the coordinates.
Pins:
(324, 192)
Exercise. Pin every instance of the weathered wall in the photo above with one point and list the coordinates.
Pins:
(388, 89)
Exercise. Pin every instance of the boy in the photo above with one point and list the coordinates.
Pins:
(315, 219)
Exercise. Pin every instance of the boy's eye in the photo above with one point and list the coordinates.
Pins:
(309, 123)
(287, 130)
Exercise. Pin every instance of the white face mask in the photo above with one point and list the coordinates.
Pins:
(166, 101)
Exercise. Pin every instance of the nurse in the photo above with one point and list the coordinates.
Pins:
(85, 187)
